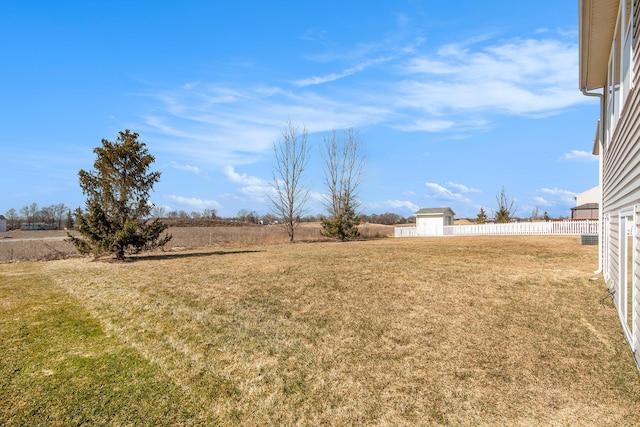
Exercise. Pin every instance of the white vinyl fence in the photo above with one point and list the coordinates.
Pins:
(513, 228)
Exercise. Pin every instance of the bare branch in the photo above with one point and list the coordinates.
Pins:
(290, 193)
(343, 171)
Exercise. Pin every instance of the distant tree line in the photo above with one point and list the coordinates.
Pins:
(54, 217)
(60, 216)
(252, 217)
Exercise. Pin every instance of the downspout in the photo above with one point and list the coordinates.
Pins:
(600, 175)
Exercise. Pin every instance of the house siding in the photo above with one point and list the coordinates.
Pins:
(621, 193)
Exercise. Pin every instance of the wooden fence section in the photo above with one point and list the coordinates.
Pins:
(514, 228)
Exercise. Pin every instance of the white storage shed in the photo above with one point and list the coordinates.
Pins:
(431, 221)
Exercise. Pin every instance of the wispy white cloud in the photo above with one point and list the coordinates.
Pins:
(518, 77)
(242, 178)
(316, 36)
(433, 66)
(456, 90)
(426, 125)
(579, 156)
(188, 168)
(253, 187)
(541, 201)
(392, 204)
(197, 125)
(443, 194)
(462, 188)
(336, 76)
(459, 197)
(193, 202)
(552, 197)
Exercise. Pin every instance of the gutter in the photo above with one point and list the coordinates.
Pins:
(600, 174)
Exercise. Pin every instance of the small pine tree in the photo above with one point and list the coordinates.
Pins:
(68, 224)
(505, 207)
(482, 216)
(546, 216)
(343, 227)
(118, 201)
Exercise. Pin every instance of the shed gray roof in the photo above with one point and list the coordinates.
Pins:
(2, 218)
(427, 211)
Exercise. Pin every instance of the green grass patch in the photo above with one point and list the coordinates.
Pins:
(59, 368)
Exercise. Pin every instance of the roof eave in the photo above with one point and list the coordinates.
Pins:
(596, 28)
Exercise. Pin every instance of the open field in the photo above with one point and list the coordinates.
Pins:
(428, 331)
(48, 245)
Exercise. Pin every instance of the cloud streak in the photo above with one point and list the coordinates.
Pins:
(579, 156)
(188, 168)
(443, 194)
(193, 202)
(336, 76)
(405, 205)
(253, 187)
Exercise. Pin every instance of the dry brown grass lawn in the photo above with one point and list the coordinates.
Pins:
(435, 331)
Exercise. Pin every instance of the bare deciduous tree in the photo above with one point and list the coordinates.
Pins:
(290, 193)
(46, 216)
(535, 214)
(343, 170)
(209, 214)
(12, 217)
(158, 211)
(29, 212)
(343, 161)
(58, 212)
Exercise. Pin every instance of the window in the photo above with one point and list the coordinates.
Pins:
(619, 76)
(627, 46)
(627, 272)
(606, 251)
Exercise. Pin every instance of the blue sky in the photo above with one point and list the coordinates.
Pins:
(453, 100)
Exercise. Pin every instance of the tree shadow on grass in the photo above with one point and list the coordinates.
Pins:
(183, 255)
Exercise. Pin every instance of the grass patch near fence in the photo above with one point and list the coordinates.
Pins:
(430, 331)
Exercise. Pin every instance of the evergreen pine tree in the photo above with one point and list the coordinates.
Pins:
(117, 206)
(68, 223)
(343, 227)
(482, 216)
(505, 208)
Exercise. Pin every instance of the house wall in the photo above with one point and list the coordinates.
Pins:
(621, 193)
(3, 225)
(592, 195)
